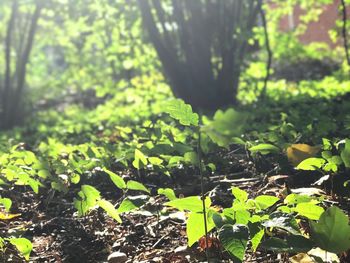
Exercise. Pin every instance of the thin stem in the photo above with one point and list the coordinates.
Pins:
(344, 31)
(199, 153)
(268, 49)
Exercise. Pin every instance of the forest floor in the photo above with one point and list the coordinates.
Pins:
(146, 235)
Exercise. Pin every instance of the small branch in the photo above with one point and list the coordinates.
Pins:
(199, 153)
(269, 52)
(346, 47)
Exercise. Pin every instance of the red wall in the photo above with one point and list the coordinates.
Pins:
(316, 31)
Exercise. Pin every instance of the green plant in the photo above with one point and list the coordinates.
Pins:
(90, 198)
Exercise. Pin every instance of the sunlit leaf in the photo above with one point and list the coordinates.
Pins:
(264, 148)
(6, 216)
(133, 185)
(309, 211)
(182, 112)
(311, 164)
(265, 201)
(195, 227)
(7, 203)
(23, 245)
(109, 208)
(239, 194)
(116, 179)
(191, 203)
(168, 192)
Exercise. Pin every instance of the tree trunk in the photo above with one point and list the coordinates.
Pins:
(201, 45)
(12, 106)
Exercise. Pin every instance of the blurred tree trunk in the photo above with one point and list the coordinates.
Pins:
(201, 44)
(11, 104)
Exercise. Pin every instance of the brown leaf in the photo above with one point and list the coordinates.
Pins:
(297, 153)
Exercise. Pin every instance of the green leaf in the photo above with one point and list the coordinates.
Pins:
(88, 197)
(309, 211)
(345, 154)
(283, 221)
(44, 174)
(191, 203)
(139, 157)
(132, 202)
(264, 148)
(169, 193)
(294, 244)
(182, 112)
(126, 206)
(234, 238)
(256, 234)
(226, 125)
(195, 227)
(23, 245)
(239, 194)
(7, 203)
(191, 157)
(242, 217)
(332, 231)
(75, 178)
(133, 185)
(109, 208)
(155, 161)
(311, 164)
(293, 199)
(116, 179)
(265, 201)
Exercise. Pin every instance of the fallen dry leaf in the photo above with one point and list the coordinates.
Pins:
(297, 153)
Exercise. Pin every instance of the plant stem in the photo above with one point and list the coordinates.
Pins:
(344, 33)
(199, 153)
(268, 49)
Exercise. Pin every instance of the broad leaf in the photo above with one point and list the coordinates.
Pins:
(7, 203)
(116, 179)
(191, 203)
(132, 202)
(182, 112)
(293, 244)
(23, 245)
(332, 231)
(133, 185)
(239, 194)
(109, 208)
(283, 221)
(256, 234)
(169, 193)
(311, 164)
(345, 154)
(234, 238)
(88, 197)
(265, 201)
(264, 148)
(139, 159)
(309, 211)
(195, 227)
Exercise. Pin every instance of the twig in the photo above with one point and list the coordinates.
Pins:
(269, 52)
(159, 241)
(344, 31)
(199, 153)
